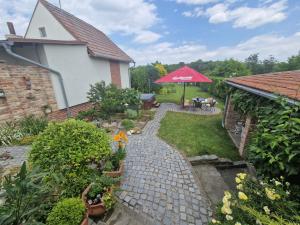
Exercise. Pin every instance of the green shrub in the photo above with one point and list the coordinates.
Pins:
(127, 124)
(68, 148)
(69, 211)
(31, 125)
(109, 100)
(259, 202)
(131, 114)
(26, 197)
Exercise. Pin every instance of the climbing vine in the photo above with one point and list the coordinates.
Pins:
(274, 147)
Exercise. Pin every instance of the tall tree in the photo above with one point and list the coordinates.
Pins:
(253, 64)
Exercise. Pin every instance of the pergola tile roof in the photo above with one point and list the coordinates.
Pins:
(283, 83)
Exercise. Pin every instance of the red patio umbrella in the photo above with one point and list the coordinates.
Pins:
(184, 75)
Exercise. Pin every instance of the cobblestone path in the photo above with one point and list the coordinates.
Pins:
(158, 182)
(18, 153)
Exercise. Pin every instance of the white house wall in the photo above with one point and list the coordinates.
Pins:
(125, 80)
(43, 18)
(78, 69)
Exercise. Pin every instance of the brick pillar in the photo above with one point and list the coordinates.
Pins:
(115, 73)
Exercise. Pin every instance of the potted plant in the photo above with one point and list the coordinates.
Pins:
(97, 196)
(114, 167)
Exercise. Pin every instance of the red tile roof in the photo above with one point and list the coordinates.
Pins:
(99, 45)
(45, 41)
(283, 83)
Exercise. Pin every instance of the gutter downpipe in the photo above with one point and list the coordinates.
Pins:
(8, 50)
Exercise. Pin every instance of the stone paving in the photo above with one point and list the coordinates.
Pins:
(158, 182)
(18, 153)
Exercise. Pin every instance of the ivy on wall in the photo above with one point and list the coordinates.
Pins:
(274, 147)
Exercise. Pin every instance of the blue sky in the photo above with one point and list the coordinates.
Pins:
(171, 31)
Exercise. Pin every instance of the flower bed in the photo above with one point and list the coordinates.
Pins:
(258, 202)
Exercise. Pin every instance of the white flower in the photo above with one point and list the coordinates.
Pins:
(237, 223)
(258, 222)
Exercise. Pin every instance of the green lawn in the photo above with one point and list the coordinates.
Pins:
(190, 92)
(197, 135)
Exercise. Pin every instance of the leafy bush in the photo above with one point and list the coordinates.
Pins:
(26, 197)
(31, 125)
(131, 114)
(258, 202)
(109, 100)
(68, 148)
(127, 124)
(274, 145)
(69, 211)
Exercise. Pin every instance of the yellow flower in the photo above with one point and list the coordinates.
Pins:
(242, 176)
(287, 183)
(277, 183)
(237, 223)
(242, 196)
(226, 209)
(215, 221)
(238, 180)
(239, 187)
(267, 210)
(227, 194)
(281, 177)
(258, 222)
(271, 194)
(228, 217)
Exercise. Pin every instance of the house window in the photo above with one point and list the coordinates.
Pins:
(43, 32)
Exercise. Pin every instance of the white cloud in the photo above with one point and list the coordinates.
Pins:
(146, 37)
(128, 17)
(196, 2)
(271, 44)
(248, 17)
(197, 12)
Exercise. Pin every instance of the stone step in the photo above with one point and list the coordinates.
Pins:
(211, 181)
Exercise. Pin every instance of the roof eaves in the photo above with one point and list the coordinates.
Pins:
(112, 58)
(260, 92)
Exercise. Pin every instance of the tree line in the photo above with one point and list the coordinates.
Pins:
(143, 77)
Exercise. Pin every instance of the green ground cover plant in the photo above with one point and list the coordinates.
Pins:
(197, 135)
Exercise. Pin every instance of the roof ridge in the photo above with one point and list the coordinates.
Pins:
(99, 44)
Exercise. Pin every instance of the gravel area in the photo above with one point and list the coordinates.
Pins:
(18, 154)
(159, 182)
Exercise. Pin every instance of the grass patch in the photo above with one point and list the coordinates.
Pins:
(197, 135)
(190, 92)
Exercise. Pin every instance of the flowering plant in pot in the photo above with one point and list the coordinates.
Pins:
(114, 166)
(98, 196)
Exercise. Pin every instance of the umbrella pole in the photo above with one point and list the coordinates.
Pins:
(183, 97)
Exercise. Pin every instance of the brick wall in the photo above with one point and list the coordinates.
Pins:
(27, 90)
(60, 115)
(115, 73)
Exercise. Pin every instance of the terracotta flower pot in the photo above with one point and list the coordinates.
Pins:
(85, 221)
(92, 210)
(117, 173)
